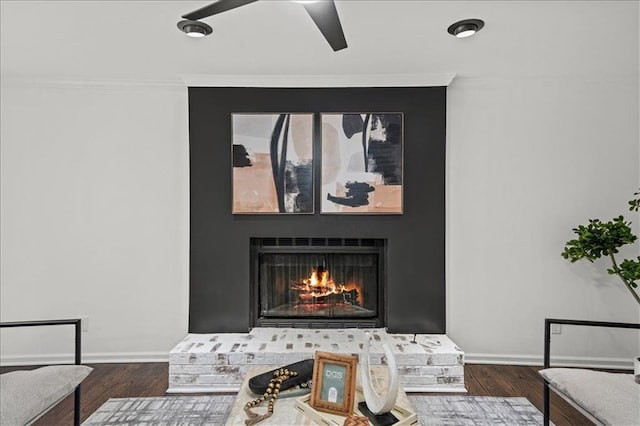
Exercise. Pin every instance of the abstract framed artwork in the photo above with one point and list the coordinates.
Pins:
(362, 163)
(272, 163)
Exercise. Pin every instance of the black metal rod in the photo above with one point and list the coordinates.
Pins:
(545, 404)
(547, 357)
(76, 407)
(78, 330)
(78, 359)
(38, 323)
(547, 342)
(594, 323)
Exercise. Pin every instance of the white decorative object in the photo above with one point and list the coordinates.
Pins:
(377, 403)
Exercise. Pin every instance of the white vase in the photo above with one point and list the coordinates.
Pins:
(377, 403)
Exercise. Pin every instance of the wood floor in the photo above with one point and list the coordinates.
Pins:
(150, 379)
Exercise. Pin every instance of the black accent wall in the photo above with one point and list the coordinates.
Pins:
(219, 246)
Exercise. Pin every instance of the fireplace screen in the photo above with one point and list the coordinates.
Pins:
(314, 283)
(318, 285)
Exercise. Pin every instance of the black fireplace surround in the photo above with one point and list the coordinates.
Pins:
(410, 297)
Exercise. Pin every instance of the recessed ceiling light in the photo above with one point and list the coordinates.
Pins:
(466, 27)
(194, 28)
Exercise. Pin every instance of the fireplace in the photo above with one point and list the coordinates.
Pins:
(317, 282)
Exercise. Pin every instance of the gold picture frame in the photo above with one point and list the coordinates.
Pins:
(334, 383)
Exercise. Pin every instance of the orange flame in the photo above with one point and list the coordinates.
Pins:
(320, 284)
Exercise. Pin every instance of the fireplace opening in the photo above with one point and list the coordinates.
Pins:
(317, 282)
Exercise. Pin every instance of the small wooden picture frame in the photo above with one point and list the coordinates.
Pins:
(334, 383)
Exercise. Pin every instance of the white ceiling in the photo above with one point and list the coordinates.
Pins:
(139, 40)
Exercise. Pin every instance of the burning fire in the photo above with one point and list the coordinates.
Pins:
(316, 281)
(320, 288)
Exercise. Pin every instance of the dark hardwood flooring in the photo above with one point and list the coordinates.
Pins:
(150, 379)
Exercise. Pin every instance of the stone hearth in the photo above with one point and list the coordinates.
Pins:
(218, 362)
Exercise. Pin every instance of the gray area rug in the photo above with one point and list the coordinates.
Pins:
(450, 410)
(460, 410)
(167, 410)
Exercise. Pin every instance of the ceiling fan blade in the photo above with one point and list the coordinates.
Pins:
(215, 8)
(325, 15)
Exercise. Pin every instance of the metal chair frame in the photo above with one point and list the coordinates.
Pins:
(77, 358)
(547, 348)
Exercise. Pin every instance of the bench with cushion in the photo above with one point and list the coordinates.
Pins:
(25, 395)
(604, 398)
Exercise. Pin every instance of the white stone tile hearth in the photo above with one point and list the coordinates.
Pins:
(218, 362)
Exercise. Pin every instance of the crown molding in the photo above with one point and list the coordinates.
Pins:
(238, 80)
(83, 83)
(310, 81)
(621, 80)
(313, 81)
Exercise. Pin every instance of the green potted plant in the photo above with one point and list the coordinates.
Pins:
(599, 239)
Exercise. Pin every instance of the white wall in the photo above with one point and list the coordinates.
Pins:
(95, 215)
(95, 218)
(528, 160)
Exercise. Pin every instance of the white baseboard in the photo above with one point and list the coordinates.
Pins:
(89, 358)
(556, 361)
(470, 358)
